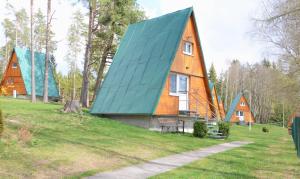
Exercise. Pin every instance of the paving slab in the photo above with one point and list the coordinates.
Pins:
(161, 165)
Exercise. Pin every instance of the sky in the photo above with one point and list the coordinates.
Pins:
(225, 27)
(62, 18)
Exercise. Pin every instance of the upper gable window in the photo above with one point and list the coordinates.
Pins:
(243, 104)
(188, 48)
(14, 65)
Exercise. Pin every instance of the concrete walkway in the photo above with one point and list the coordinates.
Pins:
(161, 165)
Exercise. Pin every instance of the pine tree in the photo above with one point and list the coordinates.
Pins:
(212, 75)
(39, 31)
(75, 38)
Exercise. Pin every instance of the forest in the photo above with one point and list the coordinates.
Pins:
(271, 85)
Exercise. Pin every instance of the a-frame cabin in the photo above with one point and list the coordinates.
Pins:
(239, 111)
(158, 70)
(17, 75)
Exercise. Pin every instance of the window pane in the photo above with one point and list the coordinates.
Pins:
(173, 82)
(182, 84)
(14, 65)
(241, 113)
(187, 47)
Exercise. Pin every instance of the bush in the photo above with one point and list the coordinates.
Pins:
(224, 128)
(265, 129)
(200, 129)
(1, 124)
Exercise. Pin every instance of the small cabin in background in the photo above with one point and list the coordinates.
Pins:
(158, 72)
(17, 75)
(239, 111)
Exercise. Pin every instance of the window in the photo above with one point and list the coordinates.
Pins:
(188, 48)
(239, 113)
(182, 84)
(178, 84)
(14, 65)
(173, 83)
(243, 104)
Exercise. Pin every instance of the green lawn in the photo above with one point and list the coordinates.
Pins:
(272, 155)
(76, 145)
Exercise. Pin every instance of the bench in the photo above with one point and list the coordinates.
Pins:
(168, 123)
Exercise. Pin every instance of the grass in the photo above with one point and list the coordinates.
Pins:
(39, 141)
(272, 155)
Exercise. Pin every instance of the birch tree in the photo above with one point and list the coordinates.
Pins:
(49, 17)
(33, 96)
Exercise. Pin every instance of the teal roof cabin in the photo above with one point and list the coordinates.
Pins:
(17, 76)
(152, 55)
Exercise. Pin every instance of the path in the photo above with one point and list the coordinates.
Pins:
(161, 165)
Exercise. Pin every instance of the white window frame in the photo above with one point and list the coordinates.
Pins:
(243, 104)
(13, 65)
(177, 84)
(239, 113)
(184, 48)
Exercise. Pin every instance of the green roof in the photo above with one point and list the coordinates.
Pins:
(141, 65)
(24, 60)
(233, 106)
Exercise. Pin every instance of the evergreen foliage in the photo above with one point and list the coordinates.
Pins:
(212, 74)
(224, 128)
(200, 129)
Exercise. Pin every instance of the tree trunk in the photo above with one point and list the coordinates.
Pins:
(84, 98)
(102, 65)
(45, 99)
(74, 86)
(33, 97)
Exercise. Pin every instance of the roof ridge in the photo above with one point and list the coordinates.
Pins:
(161, 16)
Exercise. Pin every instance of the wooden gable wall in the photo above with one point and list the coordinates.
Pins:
(222, 109)
(194, 67)
(12, 78)
(216, 103)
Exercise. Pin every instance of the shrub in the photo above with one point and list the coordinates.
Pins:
(224, 128)
(265, 129)
(1, 124)
(200, 129)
